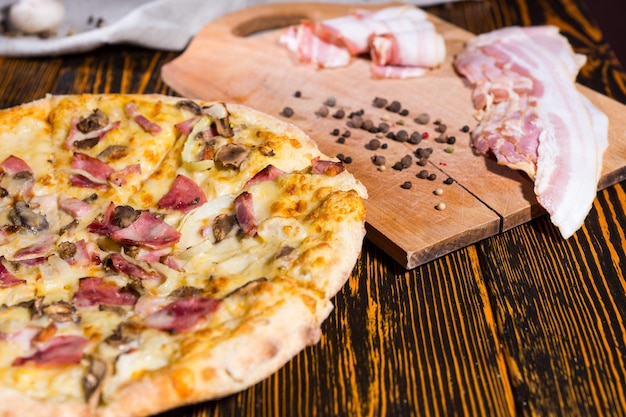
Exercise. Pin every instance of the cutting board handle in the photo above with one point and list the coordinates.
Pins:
(260, 18)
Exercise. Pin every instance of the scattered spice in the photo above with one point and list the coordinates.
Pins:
(287, 112)
(384, 146)
(422, 162)
(451, 140)
(346, 134)
(335, 132)
(404, 112)
(438, 191)
(330, 101)
(415, 138)
(449, 149)
(465, 129)
(432, 177)
(448, 181)
(406, 185)
(441, 206)
(297, 94)
(383, 127)
(402, 135)
(425, 135)
(341, 140)
(441, 128)
(356, 121)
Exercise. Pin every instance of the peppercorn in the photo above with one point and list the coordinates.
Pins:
(449, 149)
(356, 121)
(438, 191)
(331, 101)
(404, 112)
(441, 206)
(415, 138)
(394, 107)
(384, 146)
(378, 160)
(448, 181)
(422, 162)
(465, 129)
(441, 128)
(383, 127)
(423, 174)
(339, 114)
(335, 132)
(341, 140)
(297, 94)
(373, 144)
(322, 111)
(406, 161)
(402, 136)
(432, 177)
(367, 124)
(406, 185)
(346, 134)
(451, 140)
(287, 112)
(380, 102)
(398, 166)
(422, 119)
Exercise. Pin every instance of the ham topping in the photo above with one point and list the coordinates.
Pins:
(14, 165)
(147, 231)
(184, 195)
(96, 291)
(330, 168)
(57, 351)
(244, 211)
(7, 279)
(123, 265)
(98, 172)
(147, 125)
(182, 315)
(534, 119)
(74, 207)
(269, 173)
(86, 133)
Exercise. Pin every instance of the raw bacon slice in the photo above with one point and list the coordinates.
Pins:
(96, 291)
(56, 351)
(533, 118)
(184, 195)
(311, 49)
(183, 314)
(147, 231)
(422, 47)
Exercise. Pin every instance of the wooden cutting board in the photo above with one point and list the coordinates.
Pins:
(237, 58)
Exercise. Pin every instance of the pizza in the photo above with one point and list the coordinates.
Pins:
(158, 251)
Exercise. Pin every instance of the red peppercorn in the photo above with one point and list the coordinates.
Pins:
(425, 135)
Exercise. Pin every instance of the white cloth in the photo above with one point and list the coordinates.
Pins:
(158, 24)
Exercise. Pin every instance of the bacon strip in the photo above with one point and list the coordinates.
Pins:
(74, 207)
(183, 314)
(183, 195)
(94, 291)
(330, 168)
(57, 351)
(533, 117)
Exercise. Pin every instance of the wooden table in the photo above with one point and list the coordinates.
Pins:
(524, 323)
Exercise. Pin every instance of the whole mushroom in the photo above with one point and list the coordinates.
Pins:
(36, 16)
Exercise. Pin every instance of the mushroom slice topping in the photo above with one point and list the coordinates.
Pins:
(97, 372)
(96, 120)
(223, 225)
(22, 215)
(190, 106)
(231, 155)
(220, 114)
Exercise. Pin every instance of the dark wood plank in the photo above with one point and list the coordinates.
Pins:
(25, 80)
